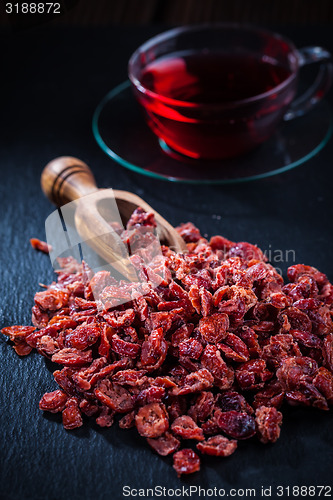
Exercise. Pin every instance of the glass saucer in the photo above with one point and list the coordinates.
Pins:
(121, 132)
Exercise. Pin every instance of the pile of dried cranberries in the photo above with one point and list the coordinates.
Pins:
(209, 355)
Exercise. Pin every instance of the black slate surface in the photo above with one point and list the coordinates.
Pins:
(51, 82)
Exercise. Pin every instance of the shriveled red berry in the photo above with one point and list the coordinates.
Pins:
(218, 446)
(238, 425)
(186, 461)
(185, 427)
(71, 415)
(53, 401)
(40, 245)
(152, 420)
(268, 422)
(165, 444)
(214, 328)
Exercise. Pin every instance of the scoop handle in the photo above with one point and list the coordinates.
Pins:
(66, 178)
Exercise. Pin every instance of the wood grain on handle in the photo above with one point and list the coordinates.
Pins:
(98, 234)
(67, 178)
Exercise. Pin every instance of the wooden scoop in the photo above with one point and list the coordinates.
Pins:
(66, 179)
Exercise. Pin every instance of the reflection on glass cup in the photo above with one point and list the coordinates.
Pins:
(218, 91)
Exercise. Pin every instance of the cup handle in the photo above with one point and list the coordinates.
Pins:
(321, 85)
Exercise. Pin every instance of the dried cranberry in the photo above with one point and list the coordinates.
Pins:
(295, 370)
(194, 382)
(189, 232)
(53, 401)
(40, 245)
(238, 425)
(211, 360)
(52, 299)
(252, 375)
(106, 417)
(191, 348)
(202, 407)
(114, 396)
(185, 427)
(72, 357)
(328, 351)
(71, 415)
(234, 348)
(323, 381)
(127, 421)
(268, 422)
(152, 420)
(124, 348)
(218, 446)
(186, 461)
(165, 444)
(83, 336)
(231, 400)
(214, 328)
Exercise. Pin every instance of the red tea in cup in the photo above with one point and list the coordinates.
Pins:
(213, 78)
(219, 91)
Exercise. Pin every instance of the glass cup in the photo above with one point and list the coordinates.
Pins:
(218, 91)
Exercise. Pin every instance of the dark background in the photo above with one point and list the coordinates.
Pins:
(53, 74)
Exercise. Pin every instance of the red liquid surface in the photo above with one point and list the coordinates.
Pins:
(214, 79)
